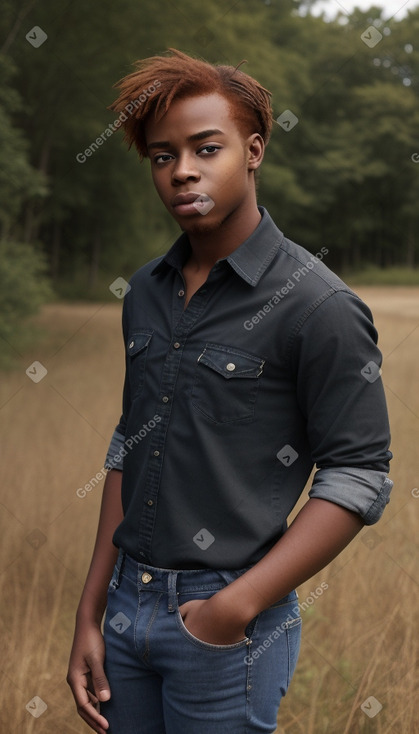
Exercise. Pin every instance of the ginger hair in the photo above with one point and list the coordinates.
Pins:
(163, 79)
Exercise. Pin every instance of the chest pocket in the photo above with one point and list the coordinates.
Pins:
(226, 383)
(137, 347)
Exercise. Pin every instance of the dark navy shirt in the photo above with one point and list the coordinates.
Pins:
(271, 369)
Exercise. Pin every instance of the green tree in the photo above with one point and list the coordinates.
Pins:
(23, 284)
(343, 176)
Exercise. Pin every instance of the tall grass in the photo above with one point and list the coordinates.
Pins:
(359, 636)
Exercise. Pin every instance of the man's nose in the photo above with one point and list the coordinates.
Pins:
(185, 169)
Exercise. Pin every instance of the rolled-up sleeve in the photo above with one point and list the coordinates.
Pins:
(116, 451)
(341, 394)
(363, 491)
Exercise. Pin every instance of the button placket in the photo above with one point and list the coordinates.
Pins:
(169, 375)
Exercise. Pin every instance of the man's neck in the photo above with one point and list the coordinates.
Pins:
(207, 248)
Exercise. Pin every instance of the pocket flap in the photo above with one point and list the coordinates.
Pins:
(137, 341)
(230, 362)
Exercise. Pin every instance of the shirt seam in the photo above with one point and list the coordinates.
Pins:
(253, 280)
(333, 290)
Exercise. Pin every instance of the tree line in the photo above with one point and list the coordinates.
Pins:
(341, 172)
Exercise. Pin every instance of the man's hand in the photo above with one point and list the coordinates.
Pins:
(319, 532)
(86, 676)
(212, 620)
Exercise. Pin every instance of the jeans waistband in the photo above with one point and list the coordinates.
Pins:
(168, 579)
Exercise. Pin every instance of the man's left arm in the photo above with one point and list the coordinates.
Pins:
(339, 390)
(320, 531)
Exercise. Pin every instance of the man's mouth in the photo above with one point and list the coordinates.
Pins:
(192, 203)
(188, 198)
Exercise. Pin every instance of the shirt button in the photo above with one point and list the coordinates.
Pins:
(181, 293)
(131, 344)
(176, 345)
(146, 578)
(165, 399)
(150, 503)
(156, 453)
(231, 367)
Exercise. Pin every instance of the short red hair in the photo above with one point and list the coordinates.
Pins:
(159, 80)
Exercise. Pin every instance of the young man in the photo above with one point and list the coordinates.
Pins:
(247, 362)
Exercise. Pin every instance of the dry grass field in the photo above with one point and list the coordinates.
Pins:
(360, 637)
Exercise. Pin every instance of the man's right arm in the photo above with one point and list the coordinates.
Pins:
(86, 675)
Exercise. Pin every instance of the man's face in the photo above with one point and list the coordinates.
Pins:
(197, 150)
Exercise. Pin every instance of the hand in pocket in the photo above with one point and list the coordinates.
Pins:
(207, 620)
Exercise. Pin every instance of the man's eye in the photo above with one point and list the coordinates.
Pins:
(162, 158)
(210, 148)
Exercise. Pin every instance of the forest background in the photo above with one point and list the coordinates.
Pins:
(345, 176)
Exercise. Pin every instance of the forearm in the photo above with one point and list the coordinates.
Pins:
(93, 599)
(318, 534)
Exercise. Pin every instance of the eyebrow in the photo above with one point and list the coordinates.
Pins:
(196, 136)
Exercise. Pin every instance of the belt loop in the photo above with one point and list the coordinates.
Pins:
(172, 601)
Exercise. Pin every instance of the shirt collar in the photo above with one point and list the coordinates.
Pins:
(249, 260)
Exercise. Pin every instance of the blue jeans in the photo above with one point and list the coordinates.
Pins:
(166, 681)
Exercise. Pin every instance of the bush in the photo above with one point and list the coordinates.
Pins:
(24, 286)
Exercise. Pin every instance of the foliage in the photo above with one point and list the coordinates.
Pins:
(23, 281)
(345, 176)
(19, 182)
(24, 287)
(371, 275)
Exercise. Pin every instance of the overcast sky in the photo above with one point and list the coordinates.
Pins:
(397, 8)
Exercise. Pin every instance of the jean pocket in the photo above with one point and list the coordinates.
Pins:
(195, 640)
(136, 349)
(226, 383)
(114, 582)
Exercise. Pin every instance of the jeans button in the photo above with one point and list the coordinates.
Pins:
(146, 578)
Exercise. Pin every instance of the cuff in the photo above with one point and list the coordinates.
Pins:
(364, 491)
(116, 452)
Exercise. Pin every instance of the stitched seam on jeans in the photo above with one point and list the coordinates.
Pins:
(137, 614)
(146, 653)
(249, 672)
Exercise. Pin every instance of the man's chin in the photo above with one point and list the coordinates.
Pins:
(201, 227)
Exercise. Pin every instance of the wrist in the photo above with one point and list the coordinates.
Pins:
(88, 613)
(236, 605)
(85, 619)
(246, 598)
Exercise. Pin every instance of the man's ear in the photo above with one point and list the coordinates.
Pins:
(255, 151)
